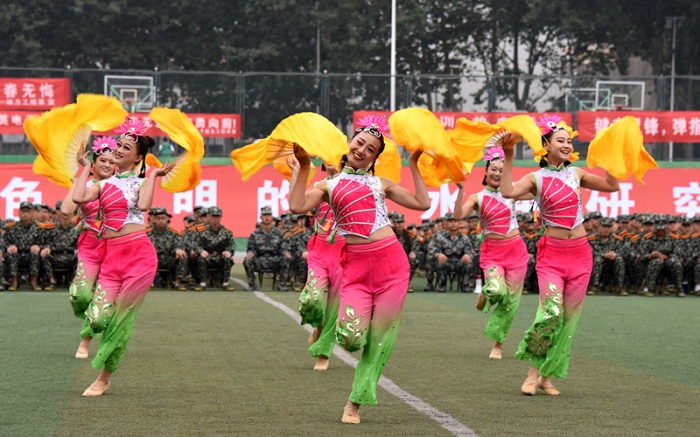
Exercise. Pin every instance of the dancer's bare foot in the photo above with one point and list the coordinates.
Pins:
(315, 334)
(321, 363)
(351, 413)
(496, 352)
(83, 348)
(545, 384)
(480, 301)
(529, 387)
(97, 388)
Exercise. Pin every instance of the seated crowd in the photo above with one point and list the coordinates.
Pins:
(647, 254)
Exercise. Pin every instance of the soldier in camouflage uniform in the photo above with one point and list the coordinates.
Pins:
(454, 254)
(169, 245)
(659, 253)
(59, 248)
(300, 253)
(530, 235)
(475, 238)
(215, 247)
(404, 238)
(190, 238)
(23, 241)
(694, 244)
(3, 254)
(418, 256)
(607, 256)
(267, 251)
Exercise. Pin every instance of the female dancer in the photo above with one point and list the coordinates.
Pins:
(504, 255)
(130, 261)
(564, 259)
(324, 274)
(90, 247)
(370, 304)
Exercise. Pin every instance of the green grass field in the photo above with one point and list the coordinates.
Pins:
(219, 364)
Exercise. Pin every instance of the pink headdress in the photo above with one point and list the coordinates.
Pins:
(132, 128)
(104, 145)
(375, 125)
(494, 153)
(549, 123)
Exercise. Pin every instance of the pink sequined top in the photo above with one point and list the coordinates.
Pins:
(358, 201)
(559, 196)
(496, 213)
(119, 196)
(89, 212)
(323, 218)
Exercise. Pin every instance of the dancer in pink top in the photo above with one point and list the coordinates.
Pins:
(564, 259)
(503, 256)
(90, 246)
(130, 261)
(375, 266)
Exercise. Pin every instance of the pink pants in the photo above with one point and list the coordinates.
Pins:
(91, 251)
(375, 283)
(563, 271)
(127, 273)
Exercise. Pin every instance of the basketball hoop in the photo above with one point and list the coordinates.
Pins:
(129, 105)
(619, 107)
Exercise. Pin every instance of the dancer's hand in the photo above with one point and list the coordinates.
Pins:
(82, 156)
(508, 143)
(459, 185)
(302, 156)
(413, 159)
(293, 163)
(164, 170)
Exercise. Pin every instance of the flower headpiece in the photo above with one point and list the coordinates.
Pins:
(104, 145)
(374, 124)
(549, 123)
(132, 128)
(494, 153)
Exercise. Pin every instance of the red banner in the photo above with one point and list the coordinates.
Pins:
(674, 191)
(656, 126)
(12, 122)
(209, 125)
(33, 93)
(449, 119)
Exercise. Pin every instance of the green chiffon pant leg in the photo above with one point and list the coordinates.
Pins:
(327, 340)
(509, 290)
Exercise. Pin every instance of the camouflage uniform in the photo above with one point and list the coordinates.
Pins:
(475, 238)
(454, 248)
(3, 254)
(62, 242)
(658, 265)
(600, 247)
(419, 247)
(530, 239)
(215, 242)
(23, 237)
(268, 250)
(299, 264)
(166, 242)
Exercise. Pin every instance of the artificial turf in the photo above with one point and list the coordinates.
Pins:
(219, 364)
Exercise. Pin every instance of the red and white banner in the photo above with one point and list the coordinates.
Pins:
(673, 191)
(33, 93)
(656, 126)
(209, 125)
(449, 119)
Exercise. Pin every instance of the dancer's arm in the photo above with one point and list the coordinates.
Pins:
(149, 186)
(510, 189)
(593, 182)
(68, 206)
(463, 210)
(420, 200)
(301, 200)
(80, 192)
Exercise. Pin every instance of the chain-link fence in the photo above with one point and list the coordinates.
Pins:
(264, 98)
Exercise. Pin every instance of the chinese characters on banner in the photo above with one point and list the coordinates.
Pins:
(32, 94)
(449, 119)
(209, 125)
(673, 191)
(656, 126)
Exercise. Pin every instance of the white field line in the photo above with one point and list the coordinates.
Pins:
(448, 422)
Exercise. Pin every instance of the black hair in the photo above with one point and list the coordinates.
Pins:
(486, 170)
(145, 144)
(545, 140)
(344, 159)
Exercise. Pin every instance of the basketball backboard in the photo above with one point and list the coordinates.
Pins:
(136, 93)
(627, 95)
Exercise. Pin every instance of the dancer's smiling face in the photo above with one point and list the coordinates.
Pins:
(103, 166)
(364, 149)
(494, 172)
(127, 153)
(559, 147)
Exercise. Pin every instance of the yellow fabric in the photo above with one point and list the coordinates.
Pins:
(59, 134)
(388, 163)
(188, 170)
(312, 132)
(619, 149)
(470, 138)
(419, 129)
